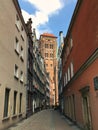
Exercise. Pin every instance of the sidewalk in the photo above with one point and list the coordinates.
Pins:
(45, 120)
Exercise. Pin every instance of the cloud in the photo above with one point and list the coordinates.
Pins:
(39, 19)
(44, 10)
(47, 7)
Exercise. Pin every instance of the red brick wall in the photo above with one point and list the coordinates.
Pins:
(85, 41)
(85, 32)
(86, 79)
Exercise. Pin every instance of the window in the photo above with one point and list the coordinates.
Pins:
(71, 69)
(21, 76)
(71, 42)
(51, 55)
(21, 53)
(68, 74)
(17, 45)
(14, 104)
(46, 45)
(46, 54)
(17, 22)
(6, 102)
(51, 46)
(16, 71)
(22, 33)
(20, 103)
(66, 79)
(96, 82)
(51, 65)
(22, 28)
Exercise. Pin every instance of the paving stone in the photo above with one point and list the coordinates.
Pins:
(45, 120)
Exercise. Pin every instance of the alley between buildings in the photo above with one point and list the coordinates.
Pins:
(45, 120)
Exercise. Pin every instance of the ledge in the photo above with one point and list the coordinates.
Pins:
(20, 114)
(5, 118)
(14, 116)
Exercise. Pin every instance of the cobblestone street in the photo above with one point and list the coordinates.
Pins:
(45, 120)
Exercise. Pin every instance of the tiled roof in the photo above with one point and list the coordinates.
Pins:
(48, 35)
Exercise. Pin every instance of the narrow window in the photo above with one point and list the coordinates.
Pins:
(16, 71)
(66, 79)
(20, 103)
(21, 76)
(68, 74)
(22, 53)
(71, 69)
(22, 33)
(71, 43)
(17, 22)
(6, 103)
(15, 101)
(17, 45)
(51, 65)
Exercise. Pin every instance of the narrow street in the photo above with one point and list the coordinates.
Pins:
(45, 120)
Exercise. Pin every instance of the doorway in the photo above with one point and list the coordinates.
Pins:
(86, 108)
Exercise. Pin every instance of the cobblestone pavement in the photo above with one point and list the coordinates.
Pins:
(45, 120)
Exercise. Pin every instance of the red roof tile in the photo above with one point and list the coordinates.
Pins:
(48, 35)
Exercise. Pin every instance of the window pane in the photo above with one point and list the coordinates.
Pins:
(14, 105)
(6, 104)
(20, 103)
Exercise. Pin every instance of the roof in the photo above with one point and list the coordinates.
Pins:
(48, 35)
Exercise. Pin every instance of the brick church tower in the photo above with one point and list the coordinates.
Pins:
(48, 49)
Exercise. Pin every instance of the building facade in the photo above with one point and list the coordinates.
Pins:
(79, 66)
(48, 49)
(40, 83)
(29, 85)
(13, 61)
(60, 85)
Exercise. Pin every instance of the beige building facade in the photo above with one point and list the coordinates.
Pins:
(48, 48)
(13, 53)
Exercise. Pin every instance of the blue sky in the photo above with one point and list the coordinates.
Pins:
(49, 16)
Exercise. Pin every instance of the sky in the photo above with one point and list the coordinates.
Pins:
(48, 16)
